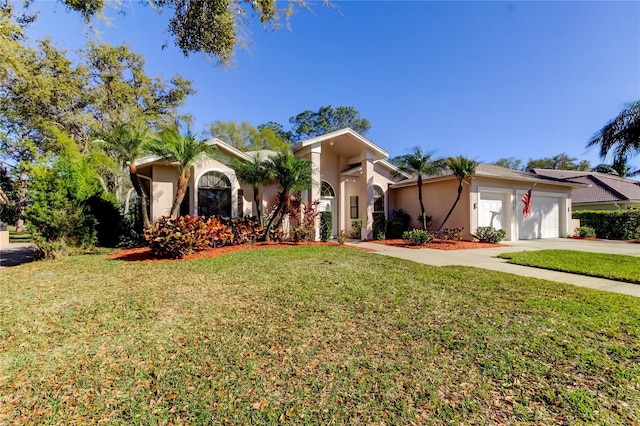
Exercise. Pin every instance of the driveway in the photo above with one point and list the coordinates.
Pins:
(17, 254)
(486, 258)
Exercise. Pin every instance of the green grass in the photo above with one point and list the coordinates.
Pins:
(611, 266)
(23, 237)
(309, 335)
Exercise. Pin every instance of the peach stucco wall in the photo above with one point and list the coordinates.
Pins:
(438, 197)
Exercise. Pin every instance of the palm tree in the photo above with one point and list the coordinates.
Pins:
(127, 143)
(253, 173)
(419, 163)
(292, 174)
(462, 168)
(619, 168)
(620, 136)
(183, 150)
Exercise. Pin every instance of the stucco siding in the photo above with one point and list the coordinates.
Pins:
(165, 180)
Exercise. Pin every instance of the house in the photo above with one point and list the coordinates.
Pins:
(350, 173)
(492, 197)
(601, 191)
(353, 178)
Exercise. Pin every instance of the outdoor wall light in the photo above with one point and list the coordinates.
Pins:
(475, 206)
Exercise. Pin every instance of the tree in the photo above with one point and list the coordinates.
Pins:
(509, 163)
(245, 137)
(620, 137)
(292, 174)
(128, 143)
(462, 168)
(419, 163)
(619, 168)
(253, 173)
(277, 129)
(558, 162)
(211, 27)
(181, 149)
(309, 124)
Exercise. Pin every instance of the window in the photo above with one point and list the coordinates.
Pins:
(378, 199)
(353, 207)
(214, 195)
(326, 190)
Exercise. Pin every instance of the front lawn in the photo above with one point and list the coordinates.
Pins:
(309, 335)
(611, 266)
(23, 237)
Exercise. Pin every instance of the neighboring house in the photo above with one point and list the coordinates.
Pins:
(604, 192)
(352, 178)
(492, 197)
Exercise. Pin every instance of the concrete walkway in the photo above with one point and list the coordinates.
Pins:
(17, 254)
(486, 258)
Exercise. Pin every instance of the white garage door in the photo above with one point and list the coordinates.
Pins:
(544, 221)
(490, 209)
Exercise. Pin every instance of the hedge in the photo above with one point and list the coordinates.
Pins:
(326, 225)
(611, 224)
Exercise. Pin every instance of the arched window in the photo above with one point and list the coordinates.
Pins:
(214, 195)
(326, 190)
(378, 199)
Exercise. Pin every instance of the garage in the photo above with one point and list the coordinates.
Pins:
(544, 221)
(490, 209)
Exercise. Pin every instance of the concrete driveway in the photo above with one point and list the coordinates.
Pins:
(486, 258)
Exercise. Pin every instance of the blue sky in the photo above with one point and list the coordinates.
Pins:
(481, 79)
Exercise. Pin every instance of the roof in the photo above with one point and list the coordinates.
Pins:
(603, 187)
(262, 154)
(497, 172)
(380, 153)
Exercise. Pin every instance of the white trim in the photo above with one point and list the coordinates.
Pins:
(226, 147)
(233, 180)
(346, 131)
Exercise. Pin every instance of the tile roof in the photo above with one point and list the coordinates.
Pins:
(490, 170)
(604, 187)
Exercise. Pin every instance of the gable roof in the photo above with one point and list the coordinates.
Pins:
(347, 133)
(493, 171)
(603, 187)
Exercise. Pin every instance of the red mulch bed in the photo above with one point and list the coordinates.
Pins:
(143, 254)
(438, 244)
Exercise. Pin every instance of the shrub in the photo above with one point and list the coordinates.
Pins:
(402, 217)
(611, 224)
(489, 234)
(342, 237)
(395, 229)
(452, 234)
(585, 232)
(417, 237)
(379, 225)
(326, 225)
(245, 230)
(175, 238)
(306, 228)
(356, 228)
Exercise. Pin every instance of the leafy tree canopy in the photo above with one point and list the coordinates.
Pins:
(309, 124)
(509, 163)
(557, 162)
(211, 27)
(246, 137)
